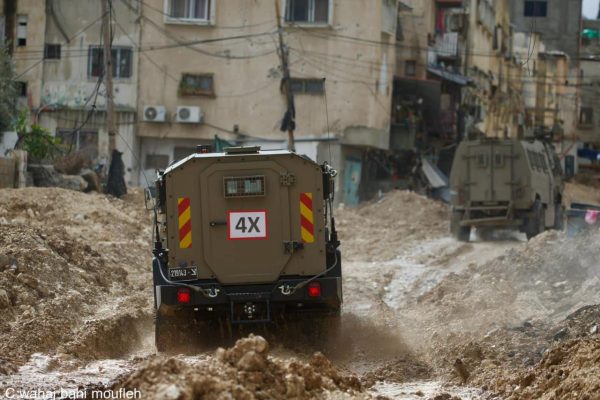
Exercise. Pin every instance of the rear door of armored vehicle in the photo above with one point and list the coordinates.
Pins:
(490, 171)
(246, 220)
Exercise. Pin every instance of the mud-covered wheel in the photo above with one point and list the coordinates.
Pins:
(173, 331)
(535, 223)
(461, 233)
(331, 327)
(163, 329)
(326, 331)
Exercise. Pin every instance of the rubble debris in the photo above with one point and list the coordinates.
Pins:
(92, 180)
(71, 164)
(570, 368)
(245, 371)
(47, 176)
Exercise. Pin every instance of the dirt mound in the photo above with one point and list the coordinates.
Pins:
(548, 278)
(504, 315)
(568, 369)
(383, 230)
(65, 256)
(245, 371)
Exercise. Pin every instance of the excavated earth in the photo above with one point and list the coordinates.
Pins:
(425, 316)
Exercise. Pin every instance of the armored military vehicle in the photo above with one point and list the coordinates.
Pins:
(244, 236)
(505, 183)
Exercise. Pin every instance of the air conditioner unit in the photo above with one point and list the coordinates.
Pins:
(154, 114)
(188, 115)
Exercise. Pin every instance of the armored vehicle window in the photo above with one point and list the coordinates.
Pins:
(532, 159)
(482, 160)
(543, 163)
(499, 160)
(244, 186)
(540, 161)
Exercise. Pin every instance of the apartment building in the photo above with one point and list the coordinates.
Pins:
(557, 22)
(213, 69)
(588, 118)
(471, 65)
(188, 72)
(58, 50)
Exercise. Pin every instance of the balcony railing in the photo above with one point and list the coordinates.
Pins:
(446, 46)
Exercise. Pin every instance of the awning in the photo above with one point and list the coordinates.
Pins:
(450, 76)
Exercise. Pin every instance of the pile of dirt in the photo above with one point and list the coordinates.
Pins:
(547, 279)
(571, 367)
(245, 371)
(385, 229)
(66, 258)
(505, 315)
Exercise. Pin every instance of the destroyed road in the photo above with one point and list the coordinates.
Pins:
(424, 316)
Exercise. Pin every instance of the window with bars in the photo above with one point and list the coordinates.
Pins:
(307, 86)
(52, 51)
(121, 62)
(191, 10)
(197, 85)
(85, 142)
(307, 11)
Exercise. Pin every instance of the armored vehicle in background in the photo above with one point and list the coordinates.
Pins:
(244, 236)
(505, 183)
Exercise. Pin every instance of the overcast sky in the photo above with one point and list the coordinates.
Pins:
(590, 8)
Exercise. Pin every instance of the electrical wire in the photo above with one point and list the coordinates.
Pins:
(190, 44)
(84, 29)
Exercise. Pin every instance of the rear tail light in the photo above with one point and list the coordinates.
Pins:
(314, 289)
(183, 296)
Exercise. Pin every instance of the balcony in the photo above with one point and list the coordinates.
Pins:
(446, 45)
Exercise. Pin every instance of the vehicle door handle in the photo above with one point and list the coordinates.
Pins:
(216, 223)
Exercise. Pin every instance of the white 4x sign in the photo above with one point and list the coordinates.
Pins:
(247, 225)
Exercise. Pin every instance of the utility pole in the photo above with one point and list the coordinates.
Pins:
(111, 126)
(289, 120)
(115, 184)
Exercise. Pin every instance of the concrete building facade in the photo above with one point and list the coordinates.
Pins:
(558, 22)
(219, 65)
(588, 118)
(58, 52)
